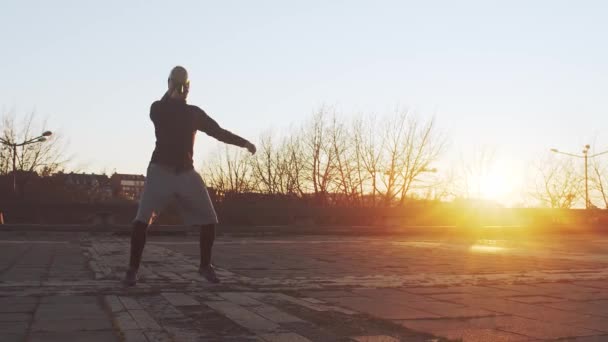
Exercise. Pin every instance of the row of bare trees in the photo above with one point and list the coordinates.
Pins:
(385, 161)
(365, 160)
(334, 160)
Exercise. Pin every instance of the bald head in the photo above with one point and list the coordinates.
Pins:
(178, 74)
(178, 83)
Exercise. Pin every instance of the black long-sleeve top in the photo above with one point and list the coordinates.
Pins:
(175, 125)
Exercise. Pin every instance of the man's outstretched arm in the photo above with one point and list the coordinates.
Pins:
(209, 126)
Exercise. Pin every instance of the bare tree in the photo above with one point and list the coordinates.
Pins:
(472, 170)
(356, 139)
(391, 156)
(40, 158)
(369, 148)
(229, 170)
(598, 180)
(277, 168)
(320, 156)
(5, 159)
(558, 183)
(441, 186)
(410, 148)
(282, 181)
(295, 165)
(265, 166)
(422, 147)
(239, 170)
(348, 182)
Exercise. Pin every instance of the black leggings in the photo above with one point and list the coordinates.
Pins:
(138, 241)
(206, 239)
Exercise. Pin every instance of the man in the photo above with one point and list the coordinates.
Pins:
(171, 174)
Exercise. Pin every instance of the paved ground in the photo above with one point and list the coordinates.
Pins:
(64, 287)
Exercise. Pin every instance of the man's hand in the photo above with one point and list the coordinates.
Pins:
(250, 147)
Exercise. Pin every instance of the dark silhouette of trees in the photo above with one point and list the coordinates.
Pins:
(329, 160)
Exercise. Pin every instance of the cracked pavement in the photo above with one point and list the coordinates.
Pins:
(58, 286)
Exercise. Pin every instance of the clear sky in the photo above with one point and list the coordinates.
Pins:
(519, 76)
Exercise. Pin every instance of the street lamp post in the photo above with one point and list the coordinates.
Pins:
(41, 138)
(586, 157)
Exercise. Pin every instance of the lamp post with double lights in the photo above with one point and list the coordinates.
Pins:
(13, 145)
(586, 157)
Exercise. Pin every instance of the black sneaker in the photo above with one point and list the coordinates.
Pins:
(130, 278)
(209, 274)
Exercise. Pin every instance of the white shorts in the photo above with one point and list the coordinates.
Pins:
(188, 190)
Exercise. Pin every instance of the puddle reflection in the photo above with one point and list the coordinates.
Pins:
(487, 246)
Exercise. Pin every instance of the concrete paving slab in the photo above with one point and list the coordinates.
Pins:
(316, 288)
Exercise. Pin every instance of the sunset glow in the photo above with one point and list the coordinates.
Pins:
(496, 186)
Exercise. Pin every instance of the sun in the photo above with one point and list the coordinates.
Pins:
(494, 186)
(497, 184)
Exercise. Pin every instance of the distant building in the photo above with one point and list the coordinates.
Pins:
(127, 186)
(96, 187)
(86, 180)
(104, 185)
